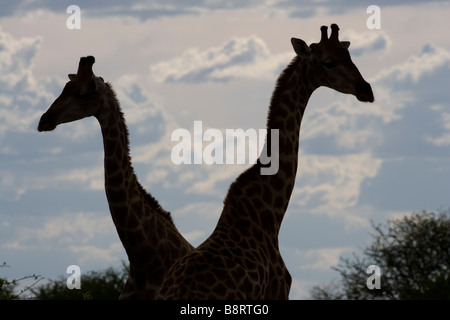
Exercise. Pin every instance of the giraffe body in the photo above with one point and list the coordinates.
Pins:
(241, 258)
(146, 230)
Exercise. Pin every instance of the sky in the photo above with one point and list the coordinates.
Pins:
(175, 62)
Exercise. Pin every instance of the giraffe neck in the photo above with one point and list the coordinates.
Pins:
(288, 104)
(147, 231)
(130, 205)
(265, 198)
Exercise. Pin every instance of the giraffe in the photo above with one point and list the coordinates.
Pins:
(146, 230)
(241, 258)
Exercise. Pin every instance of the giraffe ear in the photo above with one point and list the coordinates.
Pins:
(345, 44)
(300, 47)
(72, 76)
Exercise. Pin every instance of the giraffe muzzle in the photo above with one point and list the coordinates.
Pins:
(47, 122)
(365, 93)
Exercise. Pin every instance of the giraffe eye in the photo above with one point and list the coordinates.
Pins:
(328, 64)
(80, 95)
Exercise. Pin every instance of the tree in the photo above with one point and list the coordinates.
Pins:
(95, 285)
(413, 255)
(9, 288)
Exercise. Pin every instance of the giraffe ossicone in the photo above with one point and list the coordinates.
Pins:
(148, 234)
(241, 258)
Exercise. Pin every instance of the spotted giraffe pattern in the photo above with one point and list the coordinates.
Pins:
(146, 230)
(241, 258)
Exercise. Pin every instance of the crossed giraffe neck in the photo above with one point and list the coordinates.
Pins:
(241, 258)
(146, 230)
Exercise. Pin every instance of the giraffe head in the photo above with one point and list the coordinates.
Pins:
(333, 67)
(79, 98)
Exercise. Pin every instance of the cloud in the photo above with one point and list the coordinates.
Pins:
(73, 227)
(194, 236)
(417, 89)
(300, 288)
(404, 96)
(444, 139)
(351, 149)
(354, 154)
(331, 185)
(90, 253)
(353, 135)
(91, 177)
(306, 9)
(74, 150)
(431, 58)
(319, 259)
(237, 58)
(190, 178)
(138, 103)
(207, 210)
(204, 213)
(15, 184)
(134, 8)
(366, 42)
(346, 145)
(102, 8)
(16, 58)
(67, 229)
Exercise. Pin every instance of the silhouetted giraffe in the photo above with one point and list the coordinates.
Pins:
(151, 240)
(241, 258)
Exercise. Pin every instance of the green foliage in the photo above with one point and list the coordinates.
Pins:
(413, 254)
(95, 285)
(8, 288)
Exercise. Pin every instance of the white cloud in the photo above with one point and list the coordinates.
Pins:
(74, 132)
(300, 288)
(397, 89)
(15, 245)
(358, 139)
(73, 227)
(70, 228)
(214, 174)
(431, 58)
(319, 259)
(238, 58)
(90, 253)
(19, 90)
(350, 124)
(208, 210)
(190, 178)
(194, 236)
(136, 101)
(444, 139)
(16, 56)
(415, 92)
(204, 213)
(366, 42)
(92, 177)
(331, 185)
(14, 185)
